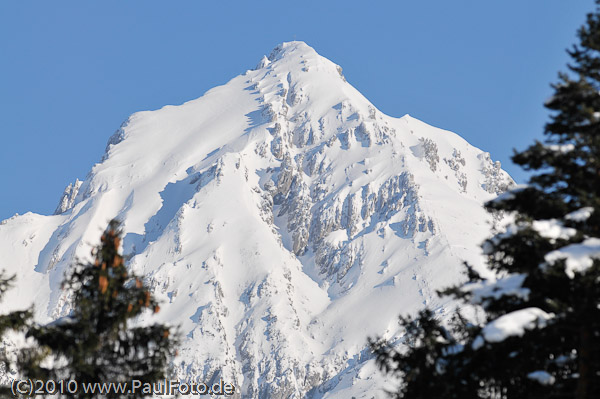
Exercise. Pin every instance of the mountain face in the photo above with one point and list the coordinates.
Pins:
(281, 219)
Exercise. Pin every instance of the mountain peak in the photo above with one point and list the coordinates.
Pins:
(298, 56)
(292, 49)
(276, 217)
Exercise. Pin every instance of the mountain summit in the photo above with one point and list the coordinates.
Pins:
(281, 219)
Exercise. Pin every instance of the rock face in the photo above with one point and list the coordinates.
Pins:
(68, 198)
(281, 218)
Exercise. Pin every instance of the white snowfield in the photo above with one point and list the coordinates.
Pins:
(280, 218)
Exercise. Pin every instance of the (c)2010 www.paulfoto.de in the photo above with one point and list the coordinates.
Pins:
(165, 387)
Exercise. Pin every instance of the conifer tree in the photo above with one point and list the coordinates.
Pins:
(540, 332)
(96, 342)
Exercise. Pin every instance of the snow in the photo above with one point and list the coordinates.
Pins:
(513, 324)
(543, 377)
(264, 62)
(578, 257)
(478, 342)
(61, 321)
(509, 194)
(509, 230)
(562, 148)
(276, 218)
(553, 229)
(580, 215)
(509, 285)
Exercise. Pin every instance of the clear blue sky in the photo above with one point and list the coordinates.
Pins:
(72, 71)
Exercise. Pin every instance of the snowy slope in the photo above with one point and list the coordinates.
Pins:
(281, 218)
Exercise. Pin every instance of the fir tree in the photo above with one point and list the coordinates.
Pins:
(96, 343)
(428, 345)
(540, 332)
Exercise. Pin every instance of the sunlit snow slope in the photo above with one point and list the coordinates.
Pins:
(280, 218)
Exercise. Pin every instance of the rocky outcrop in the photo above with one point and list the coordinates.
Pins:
(67, 201)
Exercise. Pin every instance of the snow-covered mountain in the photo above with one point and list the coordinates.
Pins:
(281, 219)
